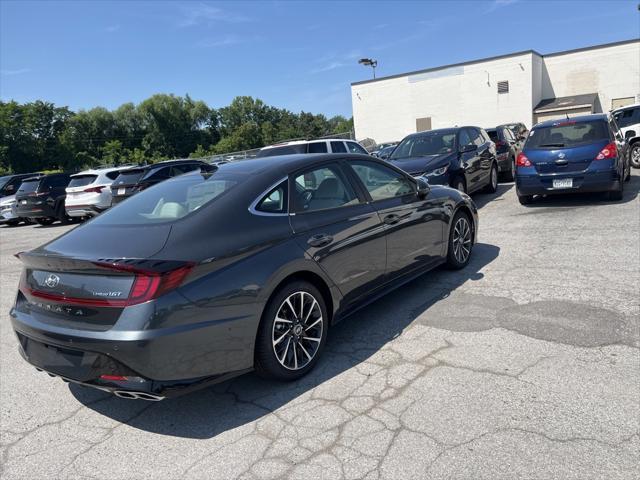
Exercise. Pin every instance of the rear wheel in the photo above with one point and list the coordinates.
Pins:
(460, 241)
(493, 179)
(292, 332)
(635, 155)
(510, 174)
(45, 221)
(525, 199)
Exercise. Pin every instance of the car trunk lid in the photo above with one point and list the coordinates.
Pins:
(565, 160)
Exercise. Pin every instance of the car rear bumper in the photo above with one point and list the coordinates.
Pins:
(7, 215)
(84, 210)
(586, 182)
(43, 210)
(162, 362)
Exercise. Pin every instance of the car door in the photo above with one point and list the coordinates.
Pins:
(414, 226)
(335, 225)
(469, 158)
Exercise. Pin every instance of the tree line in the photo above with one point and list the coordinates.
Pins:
(40, 136)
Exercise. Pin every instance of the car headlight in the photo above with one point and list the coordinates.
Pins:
(437, 172)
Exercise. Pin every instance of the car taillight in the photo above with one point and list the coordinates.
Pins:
(499, 143)
(147, 285)
(522, 160)
(94, 189)
(610, 151)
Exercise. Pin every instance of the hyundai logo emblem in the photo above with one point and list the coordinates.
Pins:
(52, 281)
(561, 155)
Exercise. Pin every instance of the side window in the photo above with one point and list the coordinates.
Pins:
(55, 182)
(11, 187)
(353, 147)
(183, 168)
(508, 135)
(476, 137)
(275, 201)
(382, 182)
(464, 139)
(338, 147)
(318, 147)
(159, 174)
(112, 175)
(322, 188)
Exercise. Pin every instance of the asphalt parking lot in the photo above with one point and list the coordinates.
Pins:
(526, 364)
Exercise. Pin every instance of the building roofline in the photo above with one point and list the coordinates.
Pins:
(498, 57)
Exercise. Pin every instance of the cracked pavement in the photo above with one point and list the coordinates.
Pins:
(526, 364)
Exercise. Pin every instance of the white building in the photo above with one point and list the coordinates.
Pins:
(518, 87)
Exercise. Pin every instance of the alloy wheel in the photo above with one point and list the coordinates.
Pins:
(635, 157)
(461, 240)
(494, 178)
(297, 330)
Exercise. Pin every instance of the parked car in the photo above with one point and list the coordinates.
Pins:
(89, 192)
(9, 185)
(461, 157)
(42, 198)
(581, 154)
(383, 146)
(385, 152)
(330, 145)
(628, 119)
(507, 149)
(518, 129)
(134, 180)
(223, 278)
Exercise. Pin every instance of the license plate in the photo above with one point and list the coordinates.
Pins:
(563, 183)
(23, 202)
(121, 191)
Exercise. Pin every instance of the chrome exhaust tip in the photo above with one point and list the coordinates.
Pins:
(137, 395)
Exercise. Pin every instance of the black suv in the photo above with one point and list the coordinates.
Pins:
(41, 198)
(507, 149)
(461, 157)
(134, 180)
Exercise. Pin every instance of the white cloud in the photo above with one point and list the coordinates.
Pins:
(333, 61)
(219, 42)
(112, 28)
(19, 71)
(499, 4)
(201, 13)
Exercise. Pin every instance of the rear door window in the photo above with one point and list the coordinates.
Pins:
(318, 147)
(82, 180)
(322, 188)
(567, 134)
(338, 147)
(275, 201)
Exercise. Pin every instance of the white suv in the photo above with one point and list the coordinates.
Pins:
(329, 145)
(89, 192)
(628, 120)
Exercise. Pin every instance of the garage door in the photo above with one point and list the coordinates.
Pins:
(575, 112)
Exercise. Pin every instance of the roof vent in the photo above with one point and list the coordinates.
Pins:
(503, 86)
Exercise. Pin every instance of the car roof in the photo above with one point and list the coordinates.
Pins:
(626, 107)
(98, 171)
(165, 163)
(580, 119)
(304, 142)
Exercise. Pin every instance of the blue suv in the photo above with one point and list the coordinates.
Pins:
(581, 154)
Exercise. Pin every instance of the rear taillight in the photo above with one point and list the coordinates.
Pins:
(522, 160)
(94, 189)
(610, 151)
(147, 285)
(499, 143)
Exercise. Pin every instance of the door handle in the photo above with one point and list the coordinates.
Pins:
(562, 161)
(320, 240)
(391, 219)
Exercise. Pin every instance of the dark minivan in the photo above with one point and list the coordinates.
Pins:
(461, 157)
(507, 149)
(42, 197)
(580, 154)
(134, 180)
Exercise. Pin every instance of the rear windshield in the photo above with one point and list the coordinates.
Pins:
(567, 134)
(29, 187)
(284, 150)
(170, 200)
(129, 177)
(82, 180)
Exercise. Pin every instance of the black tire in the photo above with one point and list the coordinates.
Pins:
(627, 178)
(510, 175)
(45, 221)
(62, 215)
(525, 199)
(272, 329)
(492, 186)
(459, 184)
(13, 223)
(634, 155)
(460, 243)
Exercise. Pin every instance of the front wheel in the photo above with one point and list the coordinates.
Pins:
(292, 332)
(460, 241)
(635, 155)
(493, 179)
(460, 185)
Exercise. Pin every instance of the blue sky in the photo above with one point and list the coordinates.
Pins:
(296, 55)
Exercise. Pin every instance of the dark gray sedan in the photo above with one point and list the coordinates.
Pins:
(231, 268)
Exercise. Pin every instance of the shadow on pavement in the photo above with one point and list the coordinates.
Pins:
(209, 412)
(481, 199)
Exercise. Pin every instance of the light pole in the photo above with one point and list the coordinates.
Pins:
(368, 62)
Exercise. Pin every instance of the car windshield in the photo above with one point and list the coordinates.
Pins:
(431, 143)
(493, 135)
(284, 150)
(29, 187)
(81, 180)
(567, 134)
(171, 200)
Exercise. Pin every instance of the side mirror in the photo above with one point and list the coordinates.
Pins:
(468, 148)
(423, 187)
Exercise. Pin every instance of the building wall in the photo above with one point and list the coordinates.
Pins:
(387, 110)
(611, 72)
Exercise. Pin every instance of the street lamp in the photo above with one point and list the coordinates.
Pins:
(367, 62)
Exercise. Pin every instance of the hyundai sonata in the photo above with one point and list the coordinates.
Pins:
(224, 270)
